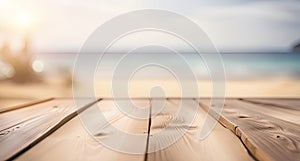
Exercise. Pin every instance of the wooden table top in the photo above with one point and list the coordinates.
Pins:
(266, 129)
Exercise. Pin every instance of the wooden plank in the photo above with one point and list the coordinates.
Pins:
(290, 103)
(267, 137)
(73, 142)
(284, 109)
(20, 129)
(221, 144)
(23, 105)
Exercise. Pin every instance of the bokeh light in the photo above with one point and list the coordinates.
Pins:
(37, 66)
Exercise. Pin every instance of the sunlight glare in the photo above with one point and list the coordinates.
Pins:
(23, 20)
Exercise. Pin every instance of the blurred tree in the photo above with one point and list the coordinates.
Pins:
(297, 48)
(21, 62)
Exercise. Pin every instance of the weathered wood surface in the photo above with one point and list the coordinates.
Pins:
(21, 105)
(22, 128)
(281, 108)
(51, 130)
(291, 103)
(172, 121)
(72, 141)
(268, 135)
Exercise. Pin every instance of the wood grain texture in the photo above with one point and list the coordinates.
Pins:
(22, 128)
(265, 135)
(284, 109)
(221, 144)
(268, 128)
(23, 105)
(290, 103)
(73, 142)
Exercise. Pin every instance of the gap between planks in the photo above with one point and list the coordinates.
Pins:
(225, 122)
(149, 129)
(82, 146)
(23, 105)
(49, 131)
(256, 128)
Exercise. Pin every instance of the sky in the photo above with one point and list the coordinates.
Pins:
(232, 25)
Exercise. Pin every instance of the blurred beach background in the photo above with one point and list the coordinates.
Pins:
(39, 42)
